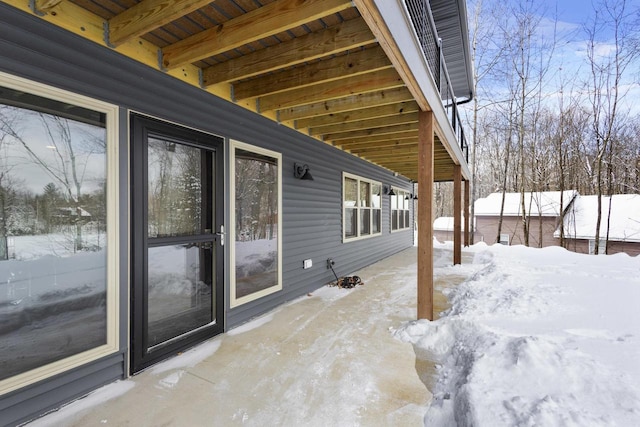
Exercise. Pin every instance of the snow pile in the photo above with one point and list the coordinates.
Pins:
(536, 337)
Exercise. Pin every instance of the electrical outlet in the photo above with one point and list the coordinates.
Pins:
(330, 263)
(307, 263)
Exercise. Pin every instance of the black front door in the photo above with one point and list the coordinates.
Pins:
(177, 238)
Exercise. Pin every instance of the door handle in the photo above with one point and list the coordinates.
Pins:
(221, 233)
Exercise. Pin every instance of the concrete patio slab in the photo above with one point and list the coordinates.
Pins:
(326, 359)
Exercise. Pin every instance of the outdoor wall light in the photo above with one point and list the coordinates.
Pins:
(389, 191)
(302, 172)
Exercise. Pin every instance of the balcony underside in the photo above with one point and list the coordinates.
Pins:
(313, 65)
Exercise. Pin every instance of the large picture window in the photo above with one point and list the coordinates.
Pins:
(361, 203)
(400, 210)
(57, 247)
(256, 207)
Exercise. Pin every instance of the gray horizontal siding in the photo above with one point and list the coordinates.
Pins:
(22, 405)
(312, 210)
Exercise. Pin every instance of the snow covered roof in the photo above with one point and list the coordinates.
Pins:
(580, 220)
(545, 203)
(444, 223)
(73, 212)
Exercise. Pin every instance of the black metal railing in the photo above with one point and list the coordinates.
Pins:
(425, 28)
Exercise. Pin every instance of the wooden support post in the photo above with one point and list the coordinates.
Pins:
(457, 210)
(467, 184)
(425, 215)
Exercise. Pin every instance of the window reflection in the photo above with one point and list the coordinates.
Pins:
(52, 231)
(180, 290)
(175, 189)
(256, 222)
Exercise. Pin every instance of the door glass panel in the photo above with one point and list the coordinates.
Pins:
(180, 290)
(175, 189)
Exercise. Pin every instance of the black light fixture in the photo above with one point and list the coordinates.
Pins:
(302, 172)
(389, 191)
(415, 197)
(408, 196)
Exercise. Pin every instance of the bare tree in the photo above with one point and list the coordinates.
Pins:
(529, 55)
(70, 149)
(608, 64)
(485, 54)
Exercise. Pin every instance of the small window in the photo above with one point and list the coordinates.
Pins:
(400, 210)
(602, 247)
(504, 239)
(361, 203)
(256, 246)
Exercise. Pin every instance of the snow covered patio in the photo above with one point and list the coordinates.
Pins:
(327, 359)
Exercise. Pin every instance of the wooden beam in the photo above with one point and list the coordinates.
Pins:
(376, 81)
(356, 115)
(399, 163)
(409, 161)
(366, 124)
(466, 212)
(352, 64)
(348, 103)
(439, 159)
(393, 140)
(147, 16)
(365, 133)
(457, 210)
(263, 22)
(372, 16)
(388, 151)
(394, 163)
(338, 38)
(46, 5)
(425, 216)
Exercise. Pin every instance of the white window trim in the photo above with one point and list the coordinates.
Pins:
(235, 302)
(113, 266)
(371, 182)
(601, 246)
(406, 226)
(505, 239)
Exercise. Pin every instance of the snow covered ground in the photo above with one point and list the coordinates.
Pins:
(535, 337)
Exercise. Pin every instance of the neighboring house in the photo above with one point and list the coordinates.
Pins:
(542, 210)
(69, 215)
(624, 224)
(231, 149)
(443, 229)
